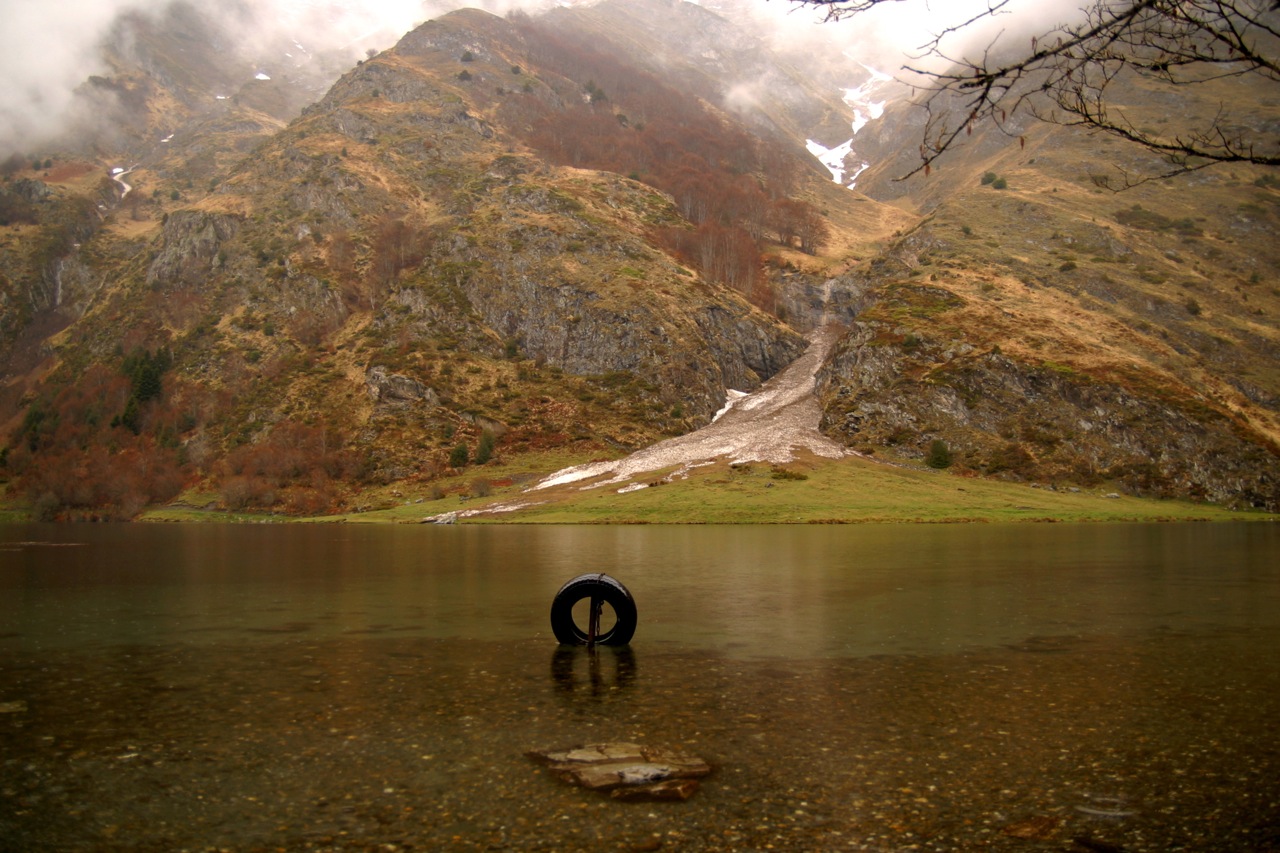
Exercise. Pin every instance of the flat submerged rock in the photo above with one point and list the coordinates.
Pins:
(628, 771)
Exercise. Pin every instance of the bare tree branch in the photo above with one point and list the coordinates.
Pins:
(1069, 74)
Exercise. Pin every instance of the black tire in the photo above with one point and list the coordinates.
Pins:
(594, 586)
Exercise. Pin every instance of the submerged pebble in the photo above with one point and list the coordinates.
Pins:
(1116, 743)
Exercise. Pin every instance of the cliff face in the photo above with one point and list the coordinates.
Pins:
(452, 239)
(1049, 424)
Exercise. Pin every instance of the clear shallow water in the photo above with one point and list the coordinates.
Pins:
(346, 687)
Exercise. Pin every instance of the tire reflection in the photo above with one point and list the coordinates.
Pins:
(592, 673)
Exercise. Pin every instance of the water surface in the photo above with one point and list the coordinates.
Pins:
(348, 687)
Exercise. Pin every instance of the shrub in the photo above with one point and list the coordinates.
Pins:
(484, 450)
(939, 455)
(1011, 457)
(989, 178)
(1149, 220)
(103, 482)
(999, 184)
(308, 501)
(247, 492)
(46, 507)
(458, 458)
(292, 469)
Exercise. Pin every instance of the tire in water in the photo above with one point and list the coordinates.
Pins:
(593, 586)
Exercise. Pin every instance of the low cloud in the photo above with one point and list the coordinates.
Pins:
(50, 50)
(898, 33)
(53, 49)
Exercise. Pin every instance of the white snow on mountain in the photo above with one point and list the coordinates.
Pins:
(868, 102)
(832, 158)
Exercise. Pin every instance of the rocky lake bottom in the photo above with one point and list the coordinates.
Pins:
(282, 739)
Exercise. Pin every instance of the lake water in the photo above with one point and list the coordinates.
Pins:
(889, 687)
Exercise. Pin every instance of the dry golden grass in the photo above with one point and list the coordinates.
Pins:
(860, 226)
(73, 173)
(1027, 263)
(127, 228)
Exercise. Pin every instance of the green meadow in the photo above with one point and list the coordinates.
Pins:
(808, 491)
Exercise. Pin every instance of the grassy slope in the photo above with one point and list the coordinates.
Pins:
(849, 491)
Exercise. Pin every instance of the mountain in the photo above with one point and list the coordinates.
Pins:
(565, 236)
(1048, 328)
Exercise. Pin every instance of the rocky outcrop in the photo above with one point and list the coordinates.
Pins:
(393, 389)
(31, 191)
(745, 349)
(694, 357)
(189, 248)
(628, 771)
(1042, 422)
(67, 282)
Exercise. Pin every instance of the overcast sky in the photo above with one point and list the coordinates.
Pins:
(51, 45)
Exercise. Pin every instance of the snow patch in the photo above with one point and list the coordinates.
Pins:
(452, 517)
(731, 397)
(261, 76)
(832, 158)
(866, 109)
(853, 182)
(117, 175)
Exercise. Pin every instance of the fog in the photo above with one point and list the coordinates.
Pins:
(48, 51)
(51, 49)
(899, 33)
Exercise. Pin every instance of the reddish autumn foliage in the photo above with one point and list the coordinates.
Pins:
(726, 255)
(105, 446)
(102, 480)
(293, 469)
(727, 183)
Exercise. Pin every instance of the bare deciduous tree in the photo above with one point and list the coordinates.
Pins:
(1069, 74)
